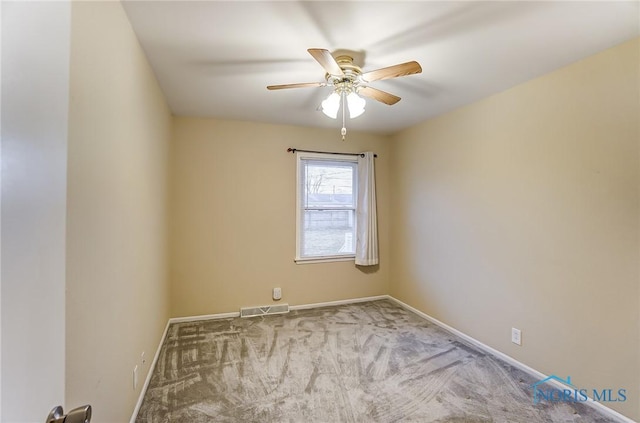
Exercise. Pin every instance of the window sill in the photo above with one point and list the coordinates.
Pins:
(324, 259)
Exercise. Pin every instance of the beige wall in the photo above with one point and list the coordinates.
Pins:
(233, 217)
(117, 251)
(522, 211)
(35, 94)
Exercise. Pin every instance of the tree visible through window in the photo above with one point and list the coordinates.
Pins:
(326, 207)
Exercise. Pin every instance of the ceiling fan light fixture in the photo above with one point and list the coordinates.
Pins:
(356, 105)
(331, 104)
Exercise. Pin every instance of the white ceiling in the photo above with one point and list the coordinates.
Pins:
(215, 58)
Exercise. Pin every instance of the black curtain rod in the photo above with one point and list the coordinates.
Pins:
(293, 150)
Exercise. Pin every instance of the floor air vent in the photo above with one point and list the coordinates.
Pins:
(262, 310)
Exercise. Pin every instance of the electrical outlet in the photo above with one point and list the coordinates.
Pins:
(516, 336)
(143, 359)
(277, 293)
(135, 378)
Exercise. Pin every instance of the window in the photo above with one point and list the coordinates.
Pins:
(326, 212)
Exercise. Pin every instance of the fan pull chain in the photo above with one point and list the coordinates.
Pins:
(344, 126)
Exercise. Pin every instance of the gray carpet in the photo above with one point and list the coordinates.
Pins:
(365, 362)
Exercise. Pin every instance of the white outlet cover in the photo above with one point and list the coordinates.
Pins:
(516, 336)
(277, 293)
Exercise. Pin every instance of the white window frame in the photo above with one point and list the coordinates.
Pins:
(299, 202)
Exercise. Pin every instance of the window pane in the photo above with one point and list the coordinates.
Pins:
(328, 184)
(328, 232)
(327, 203)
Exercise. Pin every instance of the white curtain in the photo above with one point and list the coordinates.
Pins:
(366, 220)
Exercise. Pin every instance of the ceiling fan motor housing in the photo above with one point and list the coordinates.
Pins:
(349, 81)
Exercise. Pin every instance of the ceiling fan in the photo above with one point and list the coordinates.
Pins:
(349, 82)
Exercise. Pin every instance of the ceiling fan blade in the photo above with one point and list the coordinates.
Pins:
(300, 85)
(326, 60)
(379, 95)
(395, 71)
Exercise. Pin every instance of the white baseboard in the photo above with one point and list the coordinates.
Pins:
(515, 363)
(338, 302)
(204, 317)
(234, 314)
(533, 372)
(152, 367)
